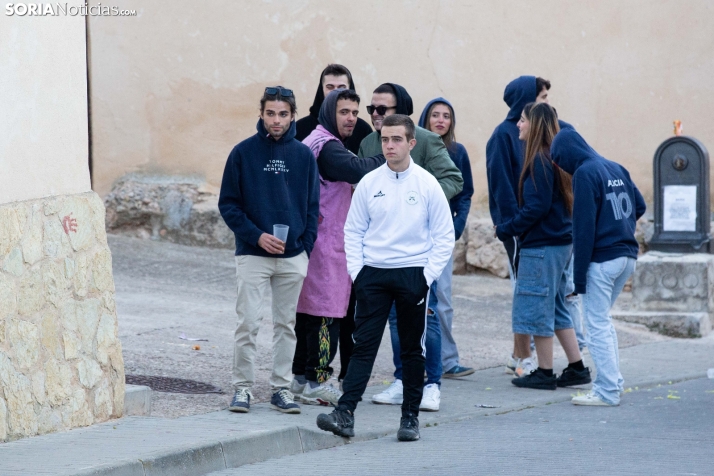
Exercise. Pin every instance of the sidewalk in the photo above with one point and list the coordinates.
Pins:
(199, 444)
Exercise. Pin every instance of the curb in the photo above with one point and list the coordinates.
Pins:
(229, 453)
(137, 400)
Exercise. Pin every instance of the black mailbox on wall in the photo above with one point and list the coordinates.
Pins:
(681, 197)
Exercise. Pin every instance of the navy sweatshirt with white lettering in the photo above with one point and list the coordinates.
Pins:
(606, 208)
(268, 182)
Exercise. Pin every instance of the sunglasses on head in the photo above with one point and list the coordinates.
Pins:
(286, 93)
(381, 110)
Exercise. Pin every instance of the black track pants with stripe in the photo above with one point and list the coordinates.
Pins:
(376, 289)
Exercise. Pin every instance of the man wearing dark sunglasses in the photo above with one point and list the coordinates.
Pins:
(270, 179)
(429, 153)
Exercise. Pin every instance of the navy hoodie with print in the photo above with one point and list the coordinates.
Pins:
(543, 220)
(606, 208)
(461, 203)
(504, 151)
(268, 182)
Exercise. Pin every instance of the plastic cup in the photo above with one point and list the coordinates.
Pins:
(281, 232)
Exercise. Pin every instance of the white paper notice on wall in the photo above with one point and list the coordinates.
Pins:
(680, 208)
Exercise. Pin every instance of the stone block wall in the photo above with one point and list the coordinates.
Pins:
(60, 357)
(176, 209)
(167, 208)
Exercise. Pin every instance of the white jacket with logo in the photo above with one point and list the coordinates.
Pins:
(399, 220)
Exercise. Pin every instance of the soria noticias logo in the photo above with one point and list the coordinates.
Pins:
(65, 9)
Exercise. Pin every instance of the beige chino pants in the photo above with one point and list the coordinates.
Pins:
(284, 276)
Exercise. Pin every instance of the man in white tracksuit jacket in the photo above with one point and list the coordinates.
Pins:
(399, 236)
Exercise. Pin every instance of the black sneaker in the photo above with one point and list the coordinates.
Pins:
(408, 429)
(339, 422)
(283, 401)
(241, 401)
(571, 377)
(536, 379)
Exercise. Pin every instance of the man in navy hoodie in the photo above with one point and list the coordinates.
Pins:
(606, 208)
(504, 160)
(270, 178)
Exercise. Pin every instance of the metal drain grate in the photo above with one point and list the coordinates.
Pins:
(172, 385)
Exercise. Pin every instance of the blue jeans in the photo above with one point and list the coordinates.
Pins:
(441, 292)
(605, 282)
(573, 305)
(539, 301)
(432, 365)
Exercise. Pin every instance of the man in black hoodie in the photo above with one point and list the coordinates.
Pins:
(335, 76)
(504, 160)
(270, 178)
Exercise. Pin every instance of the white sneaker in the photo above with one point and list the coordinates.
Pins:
(590, 399)
(393, 395)
(323, 394)
(430, 398)
(526, 366)
(296, 388)
(511, 365)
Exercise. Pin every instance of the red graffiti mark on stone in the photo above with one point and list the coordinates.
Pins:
(69, 224)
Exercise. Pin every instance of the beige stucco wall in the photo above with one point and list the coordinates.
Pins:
(43, 93)
(174, 88)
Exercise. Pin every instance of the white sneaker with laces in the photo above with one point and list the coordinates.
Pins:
(590, 399)
(323, 394)
(393, 395)
(526, 366)
(430, 398)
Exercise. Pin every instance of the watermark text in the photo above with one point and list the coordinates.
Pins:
(64, 9)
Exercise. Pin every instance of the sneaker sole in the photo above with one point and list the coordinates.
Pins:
(285, 410)
(393, 402)
(535, 387)
(591, 403)
(407, 437)
(238, 409)
(428, 409)
(387, 402)
(314, 401)
(324, 424)
(510, 371)
(460, 374)
(582, 381)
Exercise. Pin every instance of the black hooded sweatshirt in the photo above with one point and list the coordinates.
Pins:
(308, 123)
(336, 163)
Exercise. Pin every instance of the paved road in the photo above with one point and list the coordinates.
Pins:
(665, 430)
(164, 290)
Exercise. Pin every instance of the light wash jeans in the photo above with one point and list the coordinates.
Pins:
(441, 290)
(605, 282)
(573, 305)
(432, 363)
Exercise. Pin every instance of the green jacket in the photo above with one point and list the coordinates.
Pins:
(429, 153)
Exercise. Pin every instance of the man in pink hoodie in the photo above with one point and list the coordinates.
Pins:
(326, 289)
